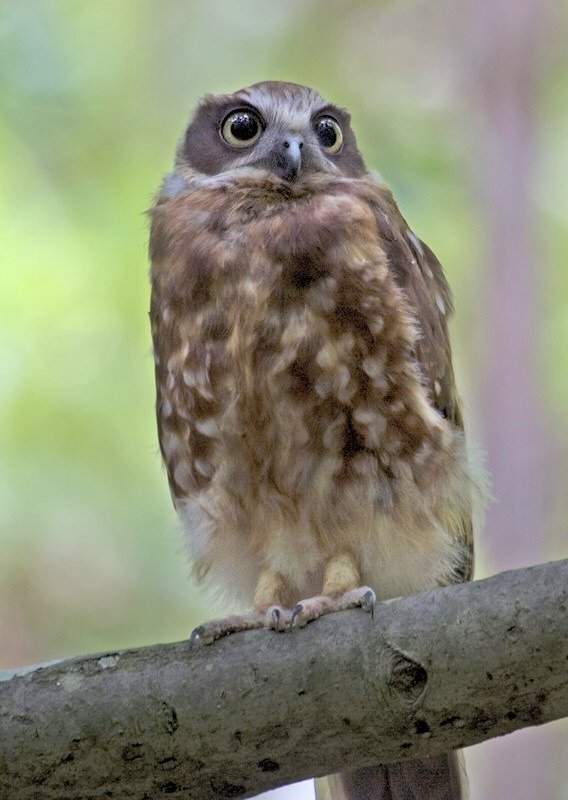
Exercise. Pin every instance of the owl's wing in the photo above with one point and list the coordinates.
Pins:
(188, 351)
(419, 274)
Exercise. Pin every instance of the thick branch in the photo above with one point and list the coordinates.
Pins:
(255, 710)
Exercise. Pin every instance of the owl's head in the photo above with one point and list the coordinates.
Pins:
(287, 129)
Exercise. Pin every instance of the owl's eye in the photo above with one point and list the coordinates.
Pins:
(329, 134)
(241, 128)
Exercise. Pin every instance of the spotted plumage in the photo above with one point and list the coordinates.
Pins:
(307, 412)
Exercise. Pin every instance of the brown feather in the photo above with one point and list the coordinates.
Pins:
(307, 411)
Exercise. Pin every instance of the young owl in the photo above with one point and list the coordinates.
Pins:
(307, 412)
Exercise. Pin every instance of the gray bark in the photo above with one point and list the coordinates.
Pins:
(260, 709)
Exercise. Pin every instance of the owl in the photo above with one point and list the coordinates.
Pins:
(307, 412)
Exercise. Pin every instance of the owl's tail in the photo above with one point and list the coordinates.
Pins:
(437, 778)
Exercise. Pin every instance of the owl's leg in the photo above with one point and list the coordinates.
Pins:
(272, 602)
(272, 599)
(341, 590)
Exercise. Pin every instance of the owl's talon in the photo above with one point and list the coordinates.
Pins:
(276, 618)
(194, 638)
(369, 602)
(293, 615)
(314, 607)
(203, 635)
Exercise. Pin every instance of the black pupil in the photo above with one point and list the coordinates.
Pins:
(244, 126)
(326, 132)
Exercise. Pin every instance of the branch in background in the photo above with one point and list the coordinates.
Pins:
(260, 709)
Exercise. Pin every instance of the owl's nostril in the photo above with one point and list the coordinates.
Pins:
(293, 140)
(286, 157)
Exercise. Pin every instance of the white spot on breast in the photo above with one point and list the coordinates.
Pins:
(326, 357)
(374, 425)
(376, 325)
(366, 416)
(347, 342)
(321, 295)
(344, 387)
(440, 303)
(249, 288)
(205, 392)
(166, 410)
(208, 427)
(373, 367)
(397, 406)
(437, 388)
(190, 378)
(333, 434)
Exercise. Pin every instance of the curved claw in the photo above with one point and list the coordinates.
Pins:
(275, 615)
(293, 614)
(194, 638)
(370, 602)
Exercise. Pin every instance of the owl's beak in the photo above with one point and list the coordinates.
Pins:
(288, 157)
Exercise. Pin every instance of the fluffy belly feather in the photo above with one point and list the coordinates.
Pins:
(294, 416)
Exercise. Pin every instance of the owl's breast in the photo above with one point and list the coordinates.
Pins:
(286, 353)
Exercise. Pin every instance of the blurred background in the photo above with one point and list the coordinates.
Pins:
(462, 107)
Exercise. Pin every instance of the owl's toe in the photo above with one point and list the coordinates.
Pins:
(277, 618)
(210, 631)
(312, 608)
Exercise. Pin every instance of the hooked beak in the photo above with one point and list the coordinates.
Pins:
(287, 157)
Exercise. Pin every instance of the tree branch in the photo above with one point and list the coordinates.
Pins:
(260, 709)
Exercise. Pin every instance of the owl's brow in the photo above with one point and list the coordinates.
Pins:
(286, 109)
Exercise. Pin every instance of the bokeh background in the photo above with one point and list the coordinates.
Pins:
(462, 107)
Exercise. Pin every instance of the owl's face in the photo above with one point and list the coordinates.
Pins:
(284, 128)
